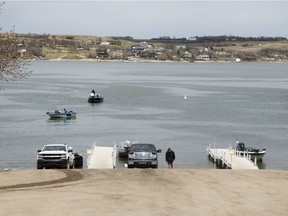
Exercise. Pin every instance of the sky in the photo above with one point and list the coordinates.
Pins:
(147, 19)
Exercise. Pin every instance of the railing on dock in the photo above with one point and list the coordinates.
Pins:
(231, 158)
(114, 155)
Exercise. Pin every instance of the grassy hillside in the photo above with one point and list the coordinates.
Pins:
(125, 48)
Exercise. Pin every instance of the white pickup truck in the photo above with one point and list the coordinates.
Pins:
(55, 156)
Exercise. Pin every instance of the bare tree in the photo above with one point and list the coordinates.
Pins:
(14, 59)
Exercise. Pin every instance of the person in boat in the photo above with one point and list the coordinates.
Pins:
(170, 157)
(65, 110)
(92, 94)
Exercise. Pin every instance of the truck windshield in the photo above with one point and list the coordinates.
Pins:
(54, 148)
(143, 148)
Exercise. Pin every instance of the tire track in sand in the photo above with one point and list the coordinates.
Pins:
(71, 176)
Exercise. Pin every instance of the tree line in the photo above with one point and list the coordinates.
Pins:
(214, 39)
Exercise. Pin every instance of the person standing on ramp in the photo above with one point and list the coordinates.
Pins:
(170, 157)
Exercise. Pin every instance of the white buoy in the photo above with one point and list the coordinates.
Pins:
(185, 97)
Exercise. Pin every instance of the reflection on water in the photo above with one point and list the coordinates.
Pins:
(145, 102)
(61, 120)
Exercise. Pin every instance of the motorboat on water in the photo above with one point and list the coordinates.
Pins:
(57, 114)
(254, 153)
(95, 98)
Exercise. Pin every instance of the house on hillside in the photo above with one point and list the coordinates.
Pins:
(104, 43)
(192, 38)
(116, 54)
(147, 54)
(203, 57)
(187, 54)
(102, 53)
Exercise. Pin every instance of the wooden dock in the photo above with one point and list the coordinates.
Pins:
(229, 158)
(100, 157)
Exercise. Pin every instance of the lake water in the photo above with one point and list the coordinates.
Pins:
(145, 102)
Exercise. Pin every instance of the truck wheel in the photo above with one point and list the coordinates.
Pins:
(79, 166)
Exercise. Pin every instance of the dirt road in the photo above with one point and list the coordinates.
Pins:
(143, 192)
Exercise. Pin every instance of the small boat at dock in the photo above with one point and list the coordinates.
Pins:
(124, 147)
(254, 153)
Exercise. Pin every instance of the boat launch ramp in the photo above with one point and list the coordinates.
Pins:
(230, 158)
(100, 157)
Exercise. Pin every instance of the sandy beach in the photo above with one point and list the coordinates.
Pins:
(143, 192)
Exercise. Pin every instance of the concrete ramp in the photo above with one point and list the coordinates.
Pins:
(100, 157)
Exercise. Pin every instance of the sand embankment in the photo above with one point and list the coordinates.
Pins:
(143, 192)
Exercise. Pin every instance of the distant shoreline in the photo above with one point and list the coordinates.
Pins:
(155, 61)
